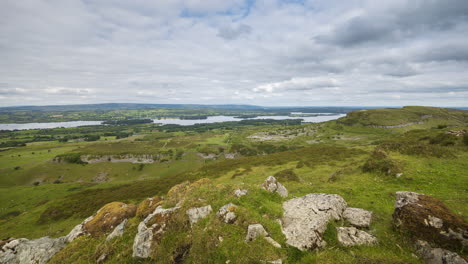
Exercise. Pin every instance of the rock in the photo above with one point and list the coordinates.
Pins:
(108, 217)
(148, 206)
(257, 230)
(198, 213)
(358, 217)
(239, 192)
(78, 230)
(426, 218)
(227, 214)
(118, 231)
(350, 236)
(305, 218)
(278, 261)
(150, 231)
(437, 255)
(37, 251)
(272, 185)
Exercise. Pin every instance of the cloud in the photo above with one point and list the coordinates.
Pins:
(268, 52)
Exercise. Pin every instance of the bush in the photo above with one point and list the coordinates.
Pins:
(444, 139)
(71, 158)
(286, 175)
(380, 162)
(465, 139)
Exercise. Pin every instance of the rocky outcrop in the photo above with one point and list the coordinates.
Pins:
(305, 218)
(240, 192)
(358, 217)
(401, 125)
(38, 251)
(272, 185)
(227, 213)
(148, 206)
(351, 236)
(437, 255)
(151, 230)
(145, 159)
(197, 213)
(108, 217)
(118, 231)
(428, 219)
(257, 230)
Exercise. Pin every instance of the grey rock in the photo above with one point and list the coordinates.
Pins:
(257, 230)
(37, 251)
(78, 230)
(197, 213)
(358, 217)
(305, 218)
(351, 236)
(240, 192)
(147, 235)
(272, 185)
(118, 231)
(437, 255)
(227, 214)
(403, 198)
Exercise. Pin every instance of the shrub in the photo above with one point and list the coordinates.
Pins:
(380, 162)
(71, 158)
(286, 175)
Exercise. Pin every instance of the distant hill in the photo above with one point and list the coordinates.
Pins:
(406, 116)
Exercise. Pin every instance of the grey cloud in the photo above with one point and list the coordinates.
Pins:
(232, 32)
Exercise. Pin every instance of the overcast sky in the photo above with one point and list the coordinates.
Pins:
(265, 52)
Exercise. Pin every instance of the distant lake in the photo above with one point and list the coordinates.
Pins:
(322, 117)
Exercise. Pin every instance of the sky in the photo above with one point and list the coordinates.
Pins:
(264, 52)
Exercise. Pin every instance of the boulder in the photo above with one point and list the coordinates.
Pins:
(37, 251)
(272, 185)
(426, 218)
(437, 255)
(150, 231)
(78, 230)
(148, 206)
(305, 218)
(227, 213)
(108, 217)
(239, 193)
(358, 217)
(257, 230)
(351, 236)
(197, 213)
(118, 231)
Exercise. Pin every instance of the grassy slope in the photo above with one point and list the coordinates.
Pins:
(342, 148)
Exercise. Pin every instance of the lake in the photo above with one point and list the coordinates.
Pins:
(322, 117)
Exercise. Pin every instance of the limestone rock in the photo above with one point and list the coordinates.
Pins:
(257, 230)
(358, 217)
(198, 213)
(37, 251)
(118, 231)
(240, 193)
(108, 217)
(305, 218)
(437, 255)
(227, 214)
(350, 236)
(150, 231)
(148, 206)
(272, 185)
(428, 219)
(78, 230)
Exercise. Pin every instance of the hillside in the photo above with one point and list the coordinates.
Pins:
(199, 194)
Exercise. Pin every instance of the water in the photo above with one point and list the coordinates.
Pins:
(211, 119)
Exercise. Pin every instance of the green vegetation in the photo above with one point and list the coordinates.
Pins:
(352, 157)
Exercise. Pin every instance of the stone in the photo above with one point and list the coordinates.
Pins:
(257, 230)
(357, 217)
(437, 255)
(108, 217)
(239, 193)
(78, 230)
(305, 218)
(148, 206)
(351, 236)
(272, 185)
(197, 213)
(37, 251)
(426, 218)
(150, 231)
(227, 213)
(118, 231)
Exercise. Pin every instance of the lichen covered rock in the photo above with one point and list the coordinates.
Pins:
(108, 217)
(148, 206)
(351, 236)
(227, 213)
(428, 219)
(358, 217)
(305, 218)
(437, 255)
(197, 213)
(37, 251)
(257, 230)
(272, 185)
